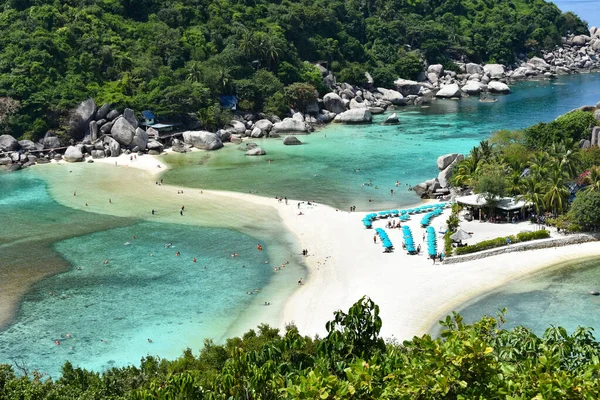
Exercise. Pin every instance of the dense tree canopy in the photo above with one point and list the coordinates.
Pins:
(178, 56)
(478, 361)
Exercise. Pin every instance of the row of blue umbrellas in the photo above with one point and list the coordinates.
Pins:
(409, 242)
(385, 240)
(426, 220)
(431, 241)
(404, 214)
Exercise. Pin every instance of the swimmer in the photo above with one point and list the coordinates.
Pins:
(79, 268)
(86, 204)
(149, 340)
(74, 193)
(133, 237)
(194, 259)
(205, 267)
(68, 335)
(57, 342)
(110, 201)
(127, 243)
(177, 254)
(105, 261)
(266, 262)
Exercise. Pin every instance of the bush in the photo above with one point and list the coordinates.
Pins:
(353, 74)
(448, 244)
(584, 210)
(501, 241)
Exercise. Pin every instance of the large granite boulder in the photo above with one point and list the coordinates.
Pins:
(93, 131)
(290, 125)
(291, 141)
(445, 160)
(334, 103)
(597, 115)
(257, 133)
(28, 145)
(155, 145)
(202, 140)
(8, 143)
(472, 68)
(105, 129)
(50, 140)
(473, 88)
(264, 125)
(580, 40)
(355, 104)
(494, 71)
(140, 139)
(129, 115)
(112, 115)
(122, 131)
(392, 96)
(436, 69)
(80, 118)
(448, 91)
(538, 62)
(407, 87)
(103, 111)
(73, 154)
(112, 148)
(446, 173)
(356, 116)
(498, 87)
(239, 127)
(98, 154)
(257, 151)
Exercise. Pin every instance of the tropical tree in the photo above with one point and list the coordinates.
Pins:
(584, 210)
(592, 180)
(557, 193)
(533, 194)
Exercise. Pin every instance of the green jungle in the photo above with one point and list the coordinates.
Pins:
(177, 57)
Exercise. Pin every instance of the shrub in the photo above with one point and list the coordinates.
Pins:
(501, 241)
(448, 244)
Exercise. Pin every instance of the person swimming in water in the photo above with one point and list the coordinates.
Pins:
(177, 254)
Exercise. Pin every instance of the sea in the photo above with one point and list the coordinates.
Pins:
(147, 300)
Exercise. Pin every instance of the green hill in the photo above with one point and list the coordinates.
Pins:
(176, 57)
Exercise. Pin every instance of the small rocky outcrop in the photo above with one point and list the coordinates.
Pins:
(392, 119)
(112, 148)
(356, 116)
(291, 141)
(407, 87)
(264, 125)
(494, 71)
(257, 151)
(28, 145)
(73, 154)
(239, 127)
(392, 96)
(202, 140)
(498, 87)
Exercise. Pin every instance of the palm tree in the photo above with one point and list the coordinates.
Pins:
(592, 180)
(557, 193)
(569, 159)
(533, 194)
(247, 44)
(270, 51)
(194, 72)
(514, 183)
(465, 172)
(540, 165)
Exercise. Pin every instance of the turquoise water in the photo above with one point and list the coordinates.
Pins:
(334, 163)
(103, 314)
(559, 296)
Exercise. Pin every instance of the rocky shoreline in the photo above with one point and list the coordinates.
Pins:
(105, 132)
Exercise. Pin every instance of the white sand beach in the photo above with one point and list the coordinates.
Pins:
(344, 264)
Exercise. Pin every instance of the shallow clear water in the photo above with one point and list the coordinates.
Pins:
(333, 163)
(559, 296)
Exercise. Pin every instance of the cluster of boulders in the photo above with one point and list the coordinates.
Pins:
(594, 139)
(439, 186)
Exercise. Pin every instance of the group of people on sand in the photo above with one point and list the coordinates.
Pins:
(281, 199)
(392, 224)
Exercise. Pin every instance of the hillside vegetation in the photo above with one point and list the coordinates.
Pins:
(177, 57)
(478, 361)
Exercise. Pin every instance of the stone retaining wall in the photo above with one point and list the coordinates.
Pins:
(532, 245)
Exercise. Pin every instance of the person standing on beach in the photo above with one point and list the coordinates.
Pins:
(374, 238)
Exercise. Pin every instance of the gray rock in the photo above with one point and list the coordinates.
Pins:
(155, 145)
(376, 110)
(597, 115)
(290, 125)
(584, 144)
(27, 145)
(494, 71)
(105, 129)
(14, 167)
(257, 151)
(420, 189)
(5, 161)
(392, 119)
(112, 115)
(264, 125)
(8, 143)
(152, 133)
(140, 139)
(448, 91)
(498, 87)
(291, 141)
(51, 141)
(98, 154)
(436, 69)
(356, 116)
(472, 68)
(407, 87)
(539, 62)
(257, 133)
(355, 104)
(334, 103)
(57, 157)
(15, 156)
(239, 127)
(580, 40)
(80, 118)
(112, 147)
(122, 131)
(32, 158)
(445, 160)
(203, 140)
(392, 96)
(472, 87)
(225, 134)
(129, 115)
(102, 111)
(73, 154)
(93, 131)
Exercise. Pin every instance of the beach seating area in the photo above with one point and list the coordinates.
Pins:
(426, 220)
(431, 242)
(409, 242)
(385, 240)
(432, 210)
